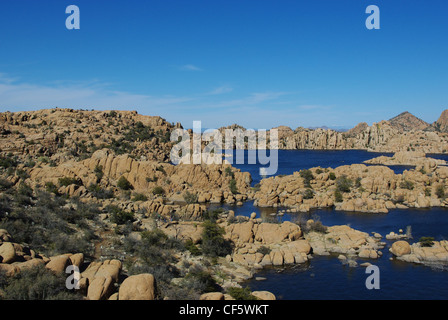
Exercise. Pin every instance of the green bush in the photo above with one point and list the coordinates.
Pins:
(332, 176)
(98, 173)
(139, 197)
(407, 185)
(38, 283)
(264, 250)
(307, 176)
(344, 184)
(124, 184)
(232, 186)
(190, 197)
(426, 241)
(158, 191)
(338, 196)
(99, 192)
(66, 181)
(308, 194)
(51, 187)
(213, 243)
(120, 216)
(229, 173)
(241, 293)
(190, 246)
(440, 192)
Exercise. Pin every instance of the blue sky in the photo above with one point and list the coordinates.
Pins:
(256, 63)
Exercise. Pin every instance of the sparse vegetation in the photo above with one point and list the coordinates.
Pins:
(307, 176)
(190, 197)
(233, 187)
(344, 184)
(426, 241)
(124, 184)
(440, 192)
(409, 185)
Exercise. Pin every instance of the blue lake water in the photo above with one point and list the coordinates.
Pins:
(325, 277)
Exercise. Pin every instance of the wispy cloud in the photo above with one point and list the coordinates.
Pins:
(190, 67)
(221, 90)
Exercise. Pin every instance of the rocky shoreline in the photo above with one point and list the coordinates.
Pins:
(117, 162)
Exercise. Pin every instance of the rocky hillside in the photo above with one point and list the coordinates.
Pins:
(407, 122)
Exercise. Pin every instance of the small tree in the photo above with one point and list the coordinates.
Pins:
(307, 176)
(158, 191)
(213, 242)
(440, 192)
(344, 184)
(407, 185)
(124, 184)
(233, 187)
(190, 197)
(338, 196)
(426, 241)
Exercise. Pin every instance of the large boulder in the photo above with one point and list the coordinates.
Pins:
(400, 248)
(59, 263)
(264, 295)
(101, 288)
(212, 296)
(7, 253)
(138, 287)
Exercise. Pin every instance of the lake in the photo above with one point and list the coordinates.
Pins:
(325, 277)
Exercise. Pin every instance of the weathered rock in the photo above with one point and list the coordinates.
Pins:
(264, 295)
(100, 288)
(400, 248)
(212, 296)
(138, 287)
(7, 253)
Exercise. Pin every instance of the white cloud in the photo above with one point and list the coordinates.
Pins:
(221, 90)
(190, 67)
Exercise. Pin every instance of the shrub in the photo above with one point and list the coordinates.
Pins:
(51, 187)
(158, 191)
(233, 187)
(190, 197)
(66, 181)
(440, 192)
(338, 196)
(427, 192)
(120, 216)
(307, 176)
(98, 173)
(316, 226)
(344, 184)
(308, 194)
(38, 283)
(332, 176)
(264, 250)
(426, 241)
(139, 197)
(229, 173)
(200, 280)
(213, 242)
(241, 293)
(124, 184)
(190, 246)
(7, 162)
(407, 185)
(99, 192)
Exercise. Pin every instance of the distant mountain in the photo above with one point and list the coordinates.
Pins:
(407, 121)
(339, 129)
